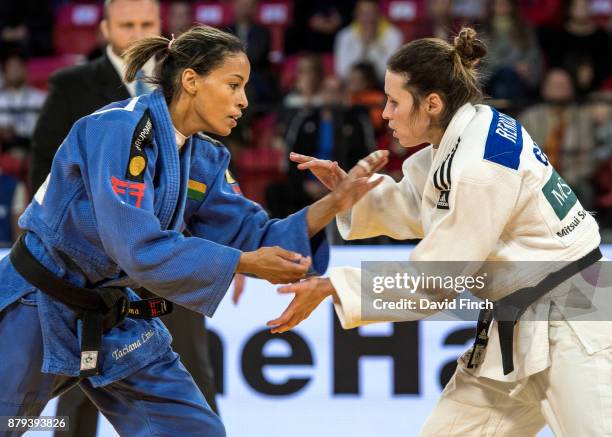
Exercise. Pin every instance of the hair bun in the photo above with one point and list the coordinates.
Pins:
(469, 48)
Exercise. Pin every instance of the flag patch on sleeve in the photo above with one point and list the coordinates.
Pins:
(196, 190)
(233, 183)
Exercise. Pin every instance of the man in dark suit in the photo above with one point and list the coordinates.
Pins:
(78, 91)
(74, 93)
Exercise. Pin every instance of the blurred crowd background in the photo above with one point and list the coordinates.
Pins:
(316, 83)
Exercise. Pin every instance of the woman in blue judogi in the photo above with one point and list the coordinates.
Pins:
(124, 184)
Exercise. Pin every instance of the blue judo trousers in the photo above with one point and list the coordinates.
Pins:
(111, 213)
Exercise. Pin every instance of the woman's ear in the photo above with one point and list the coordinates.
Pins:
(189, 81)
(434, 105)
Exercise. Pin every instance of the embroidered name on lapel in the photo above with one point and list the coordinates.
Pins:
(143, 135)
(442, 179)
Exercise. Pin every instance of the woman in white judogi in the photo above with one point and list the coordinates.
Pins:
(482, 191)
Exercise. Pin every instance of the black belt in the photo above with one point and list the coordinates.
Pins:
(100, 308)
(508, 310)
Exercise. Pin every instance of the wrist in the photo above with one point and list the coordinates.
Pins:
(325, 288)
(333, 201)
(244, 263)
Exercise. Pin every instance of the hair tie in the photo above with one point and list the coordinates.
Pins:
(171, 42)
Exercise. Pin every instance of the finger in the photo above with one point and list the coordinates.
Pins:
(375, 158)
(239, 281)
(316, 163)
(284, 317)
(288, 254)
(296, 157)
(292, 323)
(365, 166)
(236, 295)
(374, 181)
(296, 287)
(291, 274)
(306, 262)
(380, 165)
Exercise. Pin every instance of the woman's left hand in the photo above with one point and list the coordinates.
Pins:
(309, 294)
(359, 180)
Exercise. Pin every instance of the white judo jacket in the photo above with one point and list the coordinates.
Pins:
(486, 193)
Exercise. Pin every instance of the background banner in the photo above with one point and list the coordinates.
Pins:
(381, 379)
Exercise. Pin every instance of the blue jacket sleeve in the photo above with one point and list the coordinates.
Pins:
(192, 272)
(227, 217)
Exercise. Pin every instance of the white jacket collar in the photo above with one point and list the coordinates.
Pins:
(455, 128)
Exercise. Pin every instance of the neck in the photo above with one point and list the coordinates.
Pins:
(182, 117)
(435, 137)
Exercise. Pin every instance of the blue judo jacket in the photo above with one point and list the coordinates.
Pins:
(111, 213)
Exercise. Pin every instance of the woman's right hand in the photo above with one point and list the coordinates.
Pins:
(274, 264)
(326, 171)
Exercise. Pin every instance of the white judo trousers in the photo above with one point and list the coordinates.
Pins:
(573, 396)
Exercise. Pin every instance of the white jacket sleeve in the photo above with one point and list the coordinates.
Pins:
(468, 231)
(392, 208)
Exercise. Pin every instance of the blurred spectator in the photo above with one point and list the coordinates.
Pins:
(601, 116)
(564, 131)
(542, 12)
(332, 131)
(471, 10)
(440, 22)
(364, 90)
(580, 47)
(370, 37)
(315, 25)
(308, 83)
(262, 86)
(26, 25)
(19, 106)
(180, 18)
(513, 65)
(600, 111)
(13, 201)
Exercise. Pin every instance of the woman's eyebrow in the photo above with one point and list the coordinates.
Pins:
(238, 75)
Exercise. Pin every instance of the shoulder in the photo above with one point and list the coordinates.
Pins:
(491, 146)
(214, 149)
(346, 34)
(122, 118)
(393, 33)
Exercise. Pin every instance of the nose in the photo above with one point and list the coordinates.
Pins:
(243, 102)
(387, 112)
(139, 33)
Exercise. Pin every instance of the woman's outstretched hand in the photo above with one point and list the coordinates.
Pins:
(308, 294)
(330, 174)
(326, 171)
(274, 264)
(359, 180)
(347, 191)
